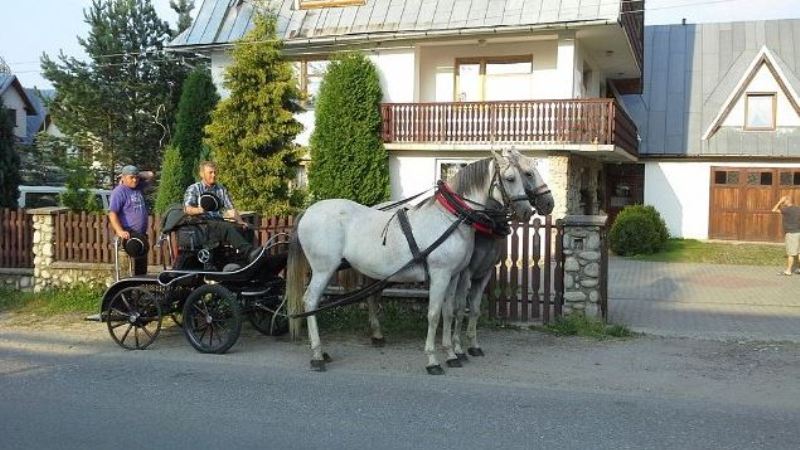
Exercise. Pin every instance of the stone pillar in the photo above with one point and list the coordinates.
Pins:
(43, 245)
(559, 184)
(583, 263)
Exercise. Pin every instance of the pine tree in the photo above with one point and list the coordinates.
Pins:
(348, 159)
(194, 112)
(171, 186)
(184, 9)
(252, 131)
(125, 96)
(9, 162)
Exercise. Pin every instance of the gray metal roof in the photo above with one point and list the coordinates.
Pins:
(224, 21)
(691, 70)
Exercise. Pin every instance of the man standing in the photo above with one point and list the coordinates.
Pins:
(218, 229)
(790, 215)
(127, 211)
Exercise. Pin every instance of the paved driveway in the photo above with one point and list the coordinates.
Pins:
(705, 300)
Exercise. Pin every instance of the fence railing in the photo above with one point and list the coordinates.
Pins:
(572, 121)
(529, 281)
(16, 239)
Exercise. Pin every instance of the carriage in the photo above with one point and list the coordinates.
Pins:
(204, 287)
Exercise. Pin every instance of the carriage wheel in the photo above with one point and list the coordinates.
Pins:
(212, 319)
(261, 319)
(134, 318)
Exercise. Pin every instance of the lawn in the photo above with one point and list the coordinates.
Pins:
(78, 299)
(691, 250)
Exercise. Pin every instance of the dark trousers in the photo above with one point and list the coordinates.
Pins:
(227, 232)
(140, 265)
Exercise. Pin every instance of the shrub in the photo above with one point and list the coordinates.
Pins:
(171, 186)
(198, 98)
(638, 230)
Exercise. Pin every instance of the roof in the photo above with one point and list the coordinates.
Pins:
(690, 73)
(8, 81)
(220, 22)
(36, 121)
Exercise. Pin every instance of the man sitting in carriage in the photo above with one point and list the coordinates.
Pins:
(209, 203)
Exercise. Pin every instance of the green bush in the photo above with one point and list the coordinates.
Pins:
(638, 230)
(171, 186)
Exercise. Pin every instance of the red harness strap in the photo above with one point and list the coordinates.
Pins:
(479, 227)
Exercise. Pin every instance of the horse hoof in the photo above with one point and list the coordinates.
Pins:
(378, 342)
(326, 357)
(318, 365)
(475, 351)
(454, 363)
(435, 370)
(462, 357)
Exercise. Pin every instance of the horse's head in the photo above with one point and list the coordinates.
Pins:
(535, 188)
(509, 185)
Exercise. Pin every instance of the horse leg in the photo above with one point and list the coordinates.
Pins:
(447, 323)
(440, 281)
(475, 296)
(319, 280)
(377, 337)
(462, 291)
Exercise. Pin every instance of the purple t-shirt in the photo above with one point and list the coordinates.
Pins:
(130, 207)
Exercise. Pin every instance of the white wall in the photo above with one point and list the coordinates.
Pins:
(680, 192)
(763, 82)
(12, 100)
(437, 67)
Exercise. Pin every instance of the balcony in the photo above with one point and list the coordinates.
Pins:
(584, 124)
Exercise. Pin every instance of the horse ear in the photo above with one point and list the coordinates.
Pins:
(498, 159)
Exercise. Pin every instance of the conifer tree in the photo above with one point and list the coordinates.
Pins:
(184, 10)
(125, 95)
(171, 186)
(198, 99)
(252, 131)
(348, 159)
(9, 162)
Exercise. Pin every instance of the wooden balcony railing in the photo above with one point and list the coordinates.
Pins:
(583, 121)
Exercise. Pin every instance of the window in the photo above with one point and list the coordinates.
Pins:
(789, 179)
(759, 178)
(313, 4)
(760, 111)
(501, 78)
(12, 115)
(309, 74)
(449, 167)
(726, 177)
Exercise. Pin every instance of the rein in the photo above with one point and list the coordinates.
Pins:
(492, 222)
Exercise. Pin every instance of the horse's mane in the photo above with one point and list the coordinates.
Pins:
(474, 175)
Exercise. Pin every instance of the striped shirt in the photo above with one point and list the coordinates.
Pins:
(193, 192)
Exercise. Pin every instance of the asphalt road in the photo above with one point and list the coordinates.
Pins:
(59, 393)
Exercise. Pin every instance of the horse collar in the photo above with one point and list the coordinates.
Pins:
(479, 220)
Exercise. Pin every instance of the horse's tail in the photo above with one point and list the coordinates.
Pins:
(296, 272)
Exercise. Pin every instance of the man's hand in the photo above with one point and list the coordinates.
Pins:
(123, 234)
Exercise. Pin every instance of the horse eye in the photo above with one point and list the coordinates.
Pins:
(529, 174)
(509, 177)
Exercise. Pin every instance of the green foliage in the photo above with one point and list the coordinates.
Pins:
(171, 186)
(80, 180)
(692, 250)
(184, 10)
(348, 159)
(638, 230)
(252, 131)
(9, 162)
(580, 325)
(125, 95)
(194, 112)
(80, 298)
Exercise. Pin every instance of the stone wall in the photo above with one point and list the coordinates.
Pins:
(16, 279)
(583, 264)
(575, 183)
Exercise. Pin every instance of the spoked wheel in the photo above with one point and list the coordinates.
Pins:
(134, 318)
(261, 319)
(212, 319)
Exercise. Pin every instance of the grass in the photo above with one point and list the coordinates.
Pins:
(579, 325)
(691, 250)
(83, 299)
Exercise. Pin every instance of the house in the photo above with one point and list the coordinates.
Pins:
(18, 105)
(719, 120)
(461, 77)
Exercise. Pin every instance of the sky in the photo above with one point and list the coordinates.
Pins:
(29, 28)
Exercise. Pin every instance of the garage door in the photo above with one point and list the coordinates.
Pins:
(742, 199)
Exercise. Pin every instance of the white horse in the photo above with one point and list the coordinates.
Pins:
(333, 231)
(485, 256)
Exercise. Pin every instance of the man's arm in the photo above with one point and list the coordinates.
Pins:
(230, 210)
(190, 203)
(777, 207)
(116, 225)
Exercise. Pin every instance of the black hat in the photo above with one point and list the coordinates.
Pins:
(136, 246)
(209, 202)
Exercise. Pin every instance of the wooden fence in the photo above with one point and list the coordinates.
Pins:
(529, 282)
(16, 239)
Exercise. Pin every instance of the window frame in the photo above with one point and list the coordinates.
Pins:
(441, 161)
(302, 83)
(774, 97)
(482, 62)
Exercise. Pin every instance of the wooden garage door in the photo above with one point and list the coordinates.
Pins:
(742, 199)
